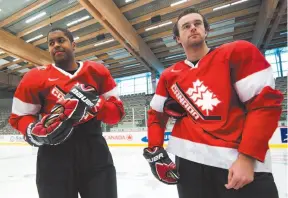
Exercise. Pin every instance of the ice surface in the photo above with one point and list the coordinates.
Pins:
(18, 167)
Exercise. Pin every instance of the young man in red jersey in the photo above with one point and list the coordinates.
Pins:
(72, 99)
(227, 109)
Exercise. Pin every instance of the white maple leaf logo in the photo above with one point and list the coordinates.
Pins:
(207, 102)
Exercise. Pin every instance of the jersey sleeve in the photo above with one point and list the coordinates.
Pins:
(255, 86)
(157, 120)
(108, 89)
(26, 103)
(108, 84)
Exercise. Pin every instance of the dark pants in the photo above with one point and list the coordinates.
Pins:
(201, 181)
(83, 164)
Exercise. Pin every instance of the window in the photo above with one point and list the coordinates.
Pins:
(284, 56)
(273, 57)
(140, 83)
(285, 68)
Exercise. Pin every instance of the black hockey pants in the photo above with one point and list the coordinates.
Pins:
(83, 164)
(201, 181)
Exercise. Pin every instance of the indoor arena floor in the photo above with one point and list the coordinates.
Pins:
(17, 173)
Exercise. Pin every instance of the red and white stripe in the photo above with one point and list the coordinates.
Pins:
(21, 108)
(215, 156)
(157, 102)
(253, 84)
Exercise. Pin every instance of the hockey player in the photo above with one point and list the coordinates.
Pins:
(59, 108)
(226, 109)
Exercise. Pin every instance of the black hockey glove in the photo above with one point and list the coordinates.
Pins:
(89, 97)
(55, 127)
(173, 109)
(161, 165)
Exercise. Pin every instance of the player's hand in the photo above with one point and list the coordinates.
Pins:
(174, 109)
(90, 97)
(55, 127)
(241, 172)
(161, 165)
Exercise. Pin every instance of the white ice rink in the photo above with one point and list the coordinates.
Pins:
(17, 174)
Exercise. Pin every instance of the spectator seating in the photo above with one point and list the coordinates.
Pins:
(281, 84)
(136, 107)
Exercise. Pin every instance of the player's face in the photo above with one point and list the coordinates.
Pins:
(60, 47)
(191, 30)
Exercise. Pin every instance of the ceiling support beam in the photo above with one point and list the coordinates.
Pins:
(114, 21)
(24, 11)
(87, 23)
(276, 23)
(57, 17)
(10, 64)
(165, 10)
(94, 12)
(134, 5)
(20, 68)
(267, 10)
(23, 50)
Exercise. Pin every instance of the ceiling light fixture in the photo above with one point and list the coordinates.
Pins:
(132, 65)
(237, 2)
(228, 5)
(178, 55)
(34, 38)
(178, 2)
(158, 26)
(104, 42)
(78, 20)
(35, 17)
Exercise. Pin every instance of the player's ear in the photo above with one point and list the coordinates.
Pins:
(177, 39)
(206, 32)
(73, 45)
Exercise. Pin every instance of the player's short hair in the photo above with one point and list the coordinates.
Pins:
(65, 31)
(184, 13)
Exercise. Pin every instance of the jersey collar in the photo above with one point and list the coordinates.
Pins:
(189, 63)
(68, 74)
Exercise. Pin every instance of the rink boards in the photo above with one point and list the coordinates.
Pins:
(139, 139)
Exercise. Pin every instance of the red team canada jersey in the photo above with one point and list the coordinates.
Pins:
(40, 88)
(231, 102)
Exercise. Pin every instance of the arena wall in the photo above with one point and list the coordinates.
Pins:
(6, 103)
(6, 94)
(139, 139)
